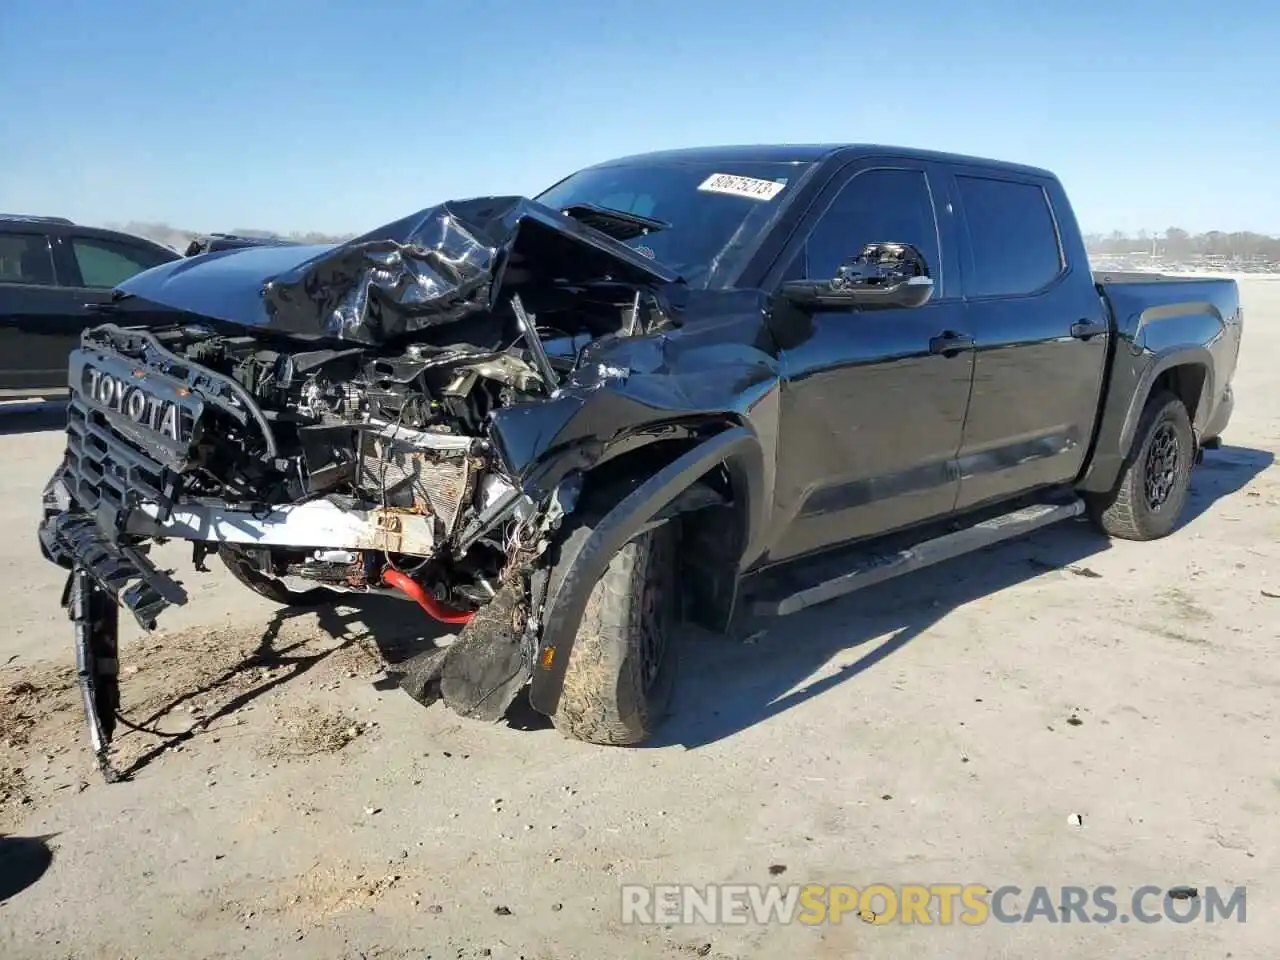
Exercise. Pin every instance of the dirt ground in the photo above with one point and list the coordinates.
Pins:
(1057, 711)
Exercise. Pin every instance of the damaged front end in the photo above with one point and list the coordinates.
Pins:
(323, 419)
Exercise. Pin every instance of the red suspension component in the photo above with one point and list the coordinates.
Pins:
(415, 592)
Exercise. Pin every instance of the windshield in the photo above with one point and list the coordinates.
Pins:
(712, 212)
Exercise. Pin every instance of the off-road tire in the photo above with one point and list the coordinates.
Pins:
(609, 697)
(1127, 512)
(243, 570)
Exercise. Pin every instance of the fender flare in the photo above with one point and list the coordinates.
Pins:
(563, 611)
(1183, 356)
(1119, 419)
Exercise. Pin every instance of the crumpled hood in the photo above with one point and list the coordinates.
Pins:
(435, 266)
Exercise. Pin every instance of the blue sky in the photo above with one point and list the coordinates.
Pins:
(341, 115)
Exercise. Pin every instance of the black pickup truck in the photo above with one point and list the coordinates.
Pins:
(673, 386)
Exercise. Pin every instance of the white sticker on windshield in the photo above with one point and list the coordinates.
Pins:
(741, 186)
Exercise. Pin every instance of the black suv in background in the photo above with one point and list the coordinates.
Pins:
(50, 271)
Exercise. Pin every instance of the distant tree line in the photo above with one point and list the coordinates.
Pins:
(178, 239)
(1178, 244)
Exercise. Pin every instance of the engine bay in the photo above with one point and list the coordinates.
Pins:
(389, 430)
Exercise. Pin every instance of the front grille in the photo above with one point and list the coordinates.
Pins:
(129, 429)
(107, 473)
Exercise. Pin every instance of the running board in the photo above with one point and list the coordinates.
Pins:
(868, 569)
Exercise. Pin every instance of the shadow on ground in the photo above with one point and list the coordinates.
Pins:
(1223, 472)
(23, 861)
(33, 417)
(397, 628)
(726, 686)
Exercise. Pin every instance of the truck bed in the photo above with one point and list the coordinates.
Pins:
(1153, 309)
(1109, 277)
(1188, 327)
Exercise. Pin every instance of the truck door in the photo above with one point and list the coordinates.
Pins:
(1040, 329)
(873, 400)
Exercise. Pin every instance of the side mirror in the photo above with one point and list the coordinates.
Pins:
(882, 275)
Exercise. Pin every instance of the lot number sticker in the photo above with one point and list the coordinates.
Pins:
(741, 186)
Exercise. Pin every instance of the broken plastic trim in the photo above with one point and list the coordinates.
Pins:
(96, 619)
(487, 519)
(120, 570)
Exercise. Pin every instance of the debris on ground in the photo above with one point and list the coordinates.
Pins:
(1087, 572)
(37, 709)
(697, 949)
(317, 730)
(14, 789)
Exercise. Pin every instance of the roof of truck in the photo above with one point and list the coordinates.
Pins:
(809, 152)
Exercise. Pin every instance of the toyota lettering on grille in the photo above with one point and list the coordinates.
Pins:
(131, 400)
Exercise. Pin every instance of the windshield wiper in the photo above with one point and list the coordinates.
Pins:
(616, 223)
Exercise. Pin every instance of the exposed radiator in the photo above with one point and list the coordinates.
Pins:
(435, 482)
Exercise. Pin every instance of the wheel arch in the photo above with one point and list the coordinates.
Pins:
(688, 480)
(1191, 383)
(1186, 372)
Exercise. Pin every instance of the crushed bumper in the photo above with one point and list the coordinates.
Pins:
(105, 575)
(73, 540)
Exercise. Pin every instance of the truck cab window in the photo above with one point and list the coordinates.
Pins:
(106, 264)
(876, 205)
(1013, 240)
(25, 258)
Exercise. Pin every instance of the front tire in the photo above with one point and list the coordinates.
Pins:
(1156, 480)
(621, 667)
(244, 570)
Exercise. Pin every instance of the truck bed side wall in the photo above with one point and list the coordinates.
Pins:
(1192, 325)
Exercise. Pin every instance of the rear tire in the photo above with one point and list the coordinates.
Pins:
(244, 570)
(1153, 487)
(622, 665)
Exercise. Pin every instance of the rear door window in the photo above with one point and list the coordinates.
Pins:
(26, 258)
(106, 263)
(1014, 247)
